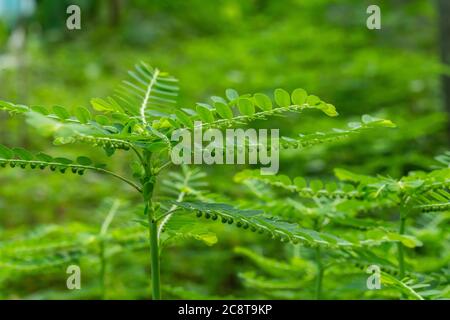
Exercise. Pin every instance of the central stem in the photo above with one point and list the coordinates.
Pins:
(401, 255)
(147, 190)
(154, 253)
(319, 274)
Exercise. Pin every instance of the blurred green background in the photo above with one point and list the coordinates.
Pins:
(323, 46)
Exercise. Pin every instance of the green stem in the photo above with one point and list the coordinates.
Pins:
(401, 255)
(102, 269)
(319, 274)
(76, 166)
(103, 238)
(154, 252)
(147, 191)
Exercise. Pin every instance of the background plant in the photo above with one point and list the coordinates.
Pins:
(199, 41)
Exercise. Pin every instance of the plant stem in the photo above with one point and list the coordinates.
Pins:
(154, 252)
(147, 191)
(401, 255)
(319, 276)
(103, 238)
(102, 270)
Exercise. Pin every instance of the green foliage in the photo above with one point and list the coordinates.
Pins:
(388, 207)
(255, 221)
(344, 207)
(133, 120)
(22, 158)
(241, 109)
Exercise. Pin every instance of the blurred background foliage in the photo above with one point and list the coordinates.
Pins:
(253, 46)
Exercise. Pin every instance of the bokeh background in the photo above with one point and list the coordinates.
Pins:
(323, 46)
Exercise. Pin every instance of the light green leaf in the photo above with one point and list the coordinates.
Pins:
(316, 185)
(61, 112)
(300, 182)
(102, 119)
(263, 101)
(246, 106)
(83, 115)
(205, 113)
(184, 119)
(299, 96)
(282, 97)
(101, 105)
(329, 110)
(231, 94)
(313, 100)
(223, 110)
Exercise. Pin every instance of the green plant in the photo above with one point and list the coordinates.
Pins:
(370, 212)
(140, 118)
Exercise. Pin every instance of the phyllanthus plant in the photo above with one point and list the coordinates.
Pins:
(141, 117)
(399, 206)
(228, 148)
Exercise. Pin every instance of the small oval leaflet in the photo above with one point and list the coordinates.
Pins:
(263, 101)
(84, 161)
(246, 106)
(231, 94)
(299, 96)
(223, 110)
(61, 112)
(282, 97)
(183, 118)
(23, 154)
(83, 115)
(312, 100)
(204, 113)
(5, 152)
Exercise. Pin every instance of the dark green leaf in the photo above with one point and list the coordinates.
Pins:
(5, 152)
(23, 154)
(84, 161)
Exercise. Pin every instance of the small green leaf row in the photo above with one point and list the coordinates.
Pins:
(362, 259)
(314, 188)
(255, 221)
(23, 158)
(157, 90)
(309, 140)
(433, 200)
(221, 113)
(124, 136)
(44, 264)
(444, 160)
(104, 142)
(81, 115)
(51, 251)
(273, 265)
(428, 186)
(434, 207)
(428, 191)
(319, 137)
